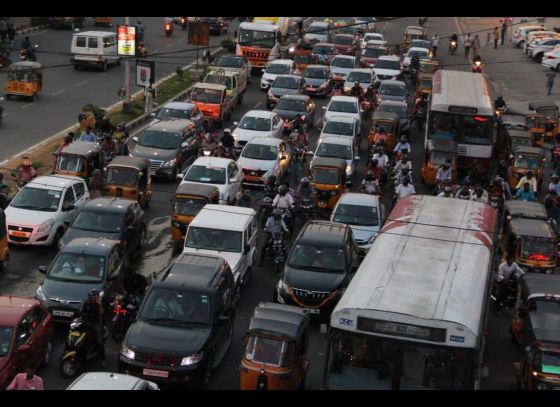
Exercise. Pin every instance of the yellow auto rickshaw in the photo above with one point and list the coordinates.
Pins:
(523, 160)
(412, 32)
(274, 350)
(328, 177)
(536, 124)
(188, 200)
(549, 109)
(80, 159)
(103, 21)
(25, 78)
(129, 177)
(4, 250)
(389, 122)
(437, 153)
(536, 330)
(424, 84)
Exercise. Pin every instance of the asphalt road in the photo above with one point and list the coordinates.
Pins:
(66, 90)
(22, 277)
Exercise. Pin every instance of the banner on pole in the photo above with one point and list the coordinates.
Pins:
(145, 70)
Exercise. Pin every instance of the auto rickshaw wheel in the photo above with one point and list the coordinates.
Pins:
(4, 262)
(34, 97)
(8, 96)
(105, 66)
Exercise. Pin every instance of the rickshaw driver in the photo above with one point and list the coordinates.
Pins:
(305, 190)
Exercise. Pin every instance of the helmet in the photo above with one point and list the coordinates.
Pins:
(369, 176)
(277, 214)
(403, 139)
(282, 189)
(406, 179)
(304, 180)
(94, 293)
(107, 136)
(375, 162)
(227, 131)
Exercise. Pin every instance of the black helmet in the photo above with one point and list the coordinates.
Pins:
(304, 181)
(277, 214)
(282, 189)
(406, 179)
(272, 180)
(369, 176)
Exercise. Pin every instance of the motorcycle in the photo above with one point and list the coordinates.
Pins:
(421, 114)
(505, 296)
(80, 349)
(275, 249)
(500, 111)
(371, 187)
(184, 23)
(368, 108)
(209, 145)
(28, 54)
(305, 209)
(123, 312)
(477, 67)
(452, 47)
(287, 126)
(168, 28)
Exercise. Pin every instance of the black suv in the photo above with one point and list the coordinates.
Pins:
(185, 325)
(218, 25)
(114, 218)
(322, 262)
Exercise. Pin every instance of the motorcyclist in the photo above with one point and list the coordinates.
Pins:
(420, 102)
(402, 147)
(444, 173)
(357, 91)
(464, 193)
(454, 38)
(500, 103)
(275, 224)
(506, 270)
(228, 142)
(298, 123)
(209, 127)
(415, 63)
(283, 200)
(404, 172)
(108, 145)
(381, 157)
(373, 168)
(446, 193)
(405, 188)
(210, 141)
(370, 94)
(246, 199)
(370, 184)
(403, 163)
(498, 188)
(305, 190)
(479, 195)
(337, 89)
(26, 171)
(380, 136)
(92, 316)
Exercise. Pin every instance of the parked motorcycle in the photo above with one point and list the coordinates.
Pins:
(123, 310)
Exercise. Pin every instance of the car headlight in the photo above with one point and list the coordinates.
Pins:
(282, 286)
(323, 85)
(192, 359)
(372, 238)
(46, 226)
(126, 352)
(348, 169)
(170, 163)
(40, 295)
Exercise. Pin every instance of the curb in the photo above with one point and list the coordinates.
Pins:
(32, 29)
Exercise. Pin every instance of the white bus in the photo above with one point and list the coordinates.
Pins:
(461, 109)
(413, 315)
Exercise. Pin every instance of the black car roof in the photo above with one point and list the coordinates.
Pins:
(323, 233)
(521, 209)
(90, 245)
(110, 204)
(286, 321)
(196, 271)
(531, 227)
(520, 134)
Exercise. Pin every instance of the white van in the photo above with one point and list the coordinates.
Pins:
(226, 231)
(94, 48)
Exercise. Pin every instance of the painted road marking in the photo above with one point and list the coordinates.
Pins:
(81, 83)
(258, 104)
(58, 93)
(29, 104)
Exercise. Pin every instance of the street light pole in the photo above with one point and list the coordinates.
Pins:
(126, 103)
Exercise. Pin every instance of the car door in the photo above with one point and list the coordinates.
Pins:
(225, 295)
(68, 201)
(81, 193)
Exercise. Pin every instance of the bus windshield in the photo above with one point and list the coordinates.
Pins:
(359, 362)
(461, 128)
(253, 38)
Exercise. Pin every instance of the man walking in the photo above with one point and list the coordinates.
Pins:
(550, 76)
(504, 31)
(475, 46)
(27, 381)
(496, 34)
(468, 43)
(435, 43)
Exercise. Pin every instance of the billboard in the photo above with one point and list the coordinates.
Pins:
(199, 34)
(126, 40)
(145, 70)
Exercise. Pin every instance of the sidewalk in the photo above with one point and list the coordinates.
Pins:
(23, 25)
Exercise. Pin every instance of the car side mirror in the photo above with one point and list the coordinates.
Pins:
(310, 153)
(324, 107)
(135, 139)
(235, 123)
(356, 158)
(223, 318)
(263, 70)
(67, 223)
(130, 228)
(42, 269)
(23, 348)
(361, 111)
(180, 176)
(67, 208)
(184, 144)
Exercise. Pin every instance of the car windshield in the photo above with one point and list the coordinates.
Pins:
(534, 248)
(278, 69)
(188, 206)
(323, 49)
(205, 95)
(421, 54)
(96, 221)
(373, 37)
(207, 175)
(159, 139)
(260, 152)
(315, 73)
(326, 176)
(531, 162)
(373, 52)
(343, 40)
(214, 239)
(323, 259)
(254, 38)
(35, 199)
(334, 151)
(172, 307)
(343, 62)
(400, 111)
(292, 105)
(285, 83)
(343, 106)
(122, 176)
(230, 62)
(368, 19)
(392, 90)
(168, 113)
(77, 267)
(439, 157)
(317, 29)
(269, 351)
(362, 77)
(385, 64)
(70, 163)
(255, 123)
(360, 215)
(333, 127)
(5, 338)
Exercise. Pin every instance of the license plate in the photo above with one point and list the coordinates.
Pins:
(156, 373)
(63, 313)
(311, 310)
(18, 234)
(310, 88)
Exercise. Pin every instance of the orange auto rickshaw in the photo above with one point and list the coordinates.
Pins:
(103, 21)
(79, 159)
(4, 250)
(523, 160)
(129, 177)
(328, 177)
(549, 109)
(25, 79)
(274, 351)
(389, 122)
(188, 200)
(536, 123)
(437, 152)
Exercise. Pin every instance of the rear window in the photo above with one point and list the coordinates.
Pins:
(80, 41)
(92, 42)
(108, 42)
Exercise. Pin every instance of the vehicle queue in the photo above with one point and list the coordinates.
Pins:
(234, 210)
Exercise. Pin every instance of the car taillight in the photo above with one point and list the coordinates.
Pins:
(550, 57)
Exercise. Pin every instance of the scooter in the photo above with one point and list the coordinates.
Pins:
(123, 314)
(275, 250)
(452, 47)
(168, 28)
(477, 67)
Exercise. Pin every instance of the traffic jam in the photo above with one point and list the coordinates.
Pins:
(338, 204)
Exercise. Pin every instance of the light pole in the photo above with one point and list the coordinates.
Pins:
(126, 103)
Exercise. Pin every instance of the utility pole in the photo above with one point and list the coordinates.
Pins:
(126, 103)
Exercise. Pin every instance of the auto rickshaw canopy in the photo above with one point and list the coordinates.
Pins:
(203, 191)
(279, 320)
(24, 71)
(429, 66)
(513, 122)
(386, 116)
(534, 285)
(542, 106)
(338, 163)
(82, 148)
(527, 210)
(536, 228)
(527, 150)
(136, 163)
(415, 30)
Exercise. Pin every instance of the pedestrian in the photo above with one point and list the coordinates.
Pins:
(27, 380)
(496, 34)
(88, 135)
(468, 42)
(139, 31)
(3, 30)
(11, 34)
(504, 31)
(550, 75)
(149, 97)
(435, 43)
(475, 46)
(96, 185)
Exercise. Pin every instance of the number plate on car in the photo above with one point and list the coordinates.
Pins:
(63, 313)
(18, 234)
(156, 373)
(312, 310)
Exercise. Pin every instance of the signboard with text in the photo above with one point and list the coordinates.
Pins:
(199, 34)
(145, 70)
(126, 40)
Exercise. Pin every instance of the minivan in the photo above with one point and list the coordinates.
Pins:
(98, 48)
